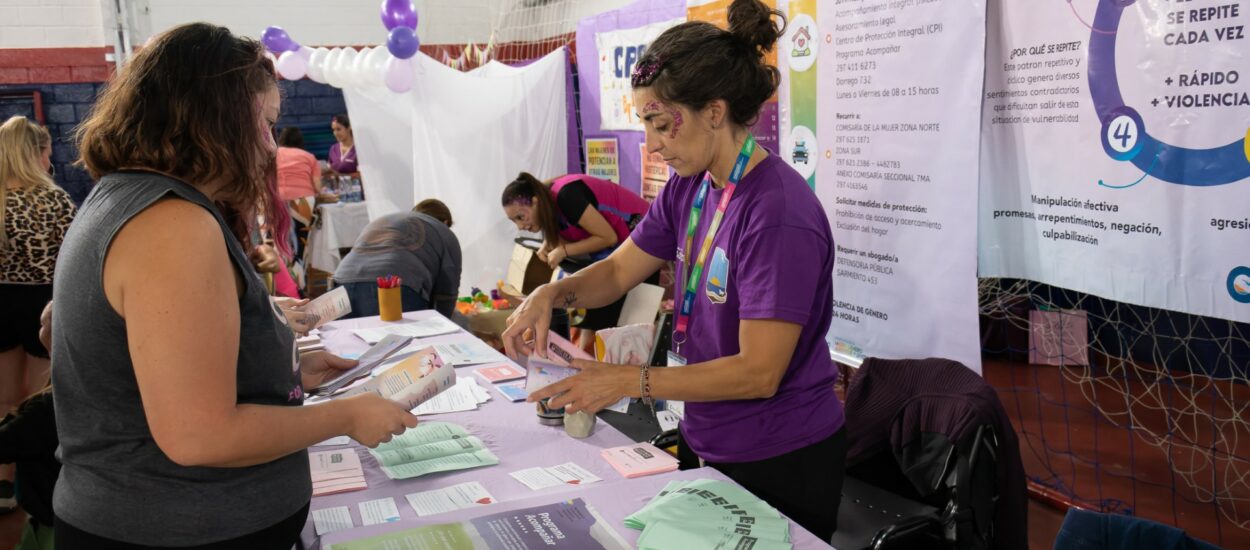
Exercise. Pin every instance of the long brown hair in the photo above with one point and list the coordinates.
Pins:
(185, 106)
(527, 190)
(21, 143)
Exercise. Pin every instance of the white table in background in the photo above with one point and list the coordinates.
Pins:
(340, 225)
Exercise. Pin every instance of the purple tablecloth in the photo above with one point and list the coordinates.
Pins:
(612, 499)
(512, 432)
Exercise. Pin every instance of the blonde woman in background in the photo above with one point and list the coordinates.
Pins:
(33, 221)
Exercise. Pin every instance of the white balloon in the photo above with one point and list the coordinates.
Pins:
(361, 67)
(305, 52)
(347, 66)
(331, 68)
(292, 66)
(377, 65)
(316, 65)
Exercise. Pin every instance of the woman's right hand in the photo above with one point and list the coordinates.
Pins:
(376, 419)
(529, 323)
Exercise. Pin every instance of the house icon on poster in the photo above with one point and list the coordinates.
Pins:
(802, 42)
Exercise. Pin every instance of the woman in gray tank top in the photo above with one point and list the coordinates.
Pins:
(178, 388)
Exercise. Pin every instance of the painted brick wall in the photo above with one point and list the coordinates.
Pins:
(53, 65)
(310, 105)
(65, 105)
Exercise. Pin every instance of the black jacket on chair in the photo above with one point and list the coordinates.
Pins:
(917, 411)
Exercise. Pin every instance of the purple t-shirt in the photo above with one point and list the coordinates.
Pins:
(340, 163)
(771, 259)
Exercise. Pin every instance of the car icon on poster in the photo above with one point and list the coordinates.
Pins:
(800, 152)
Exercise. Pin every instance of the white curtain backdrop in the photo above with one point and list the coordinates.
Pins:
(460, 138)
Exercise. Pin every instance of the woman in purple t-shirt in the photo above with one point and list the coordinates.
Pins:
(343, 153)
(578, 216)
(755, 254)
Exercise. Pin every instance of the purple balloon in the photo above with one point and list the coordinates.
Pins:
(277, 40)
(403, 42)
(399, 13)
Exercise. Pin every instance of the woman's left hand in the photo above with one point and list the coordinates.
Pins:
(319, 366)
(301, 322)
(557, 255)
(596, 387)
(265, 258)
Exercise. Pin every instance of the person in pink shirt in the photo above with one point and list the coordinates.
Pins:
(580, 217)
(299, 183)
(299, 176)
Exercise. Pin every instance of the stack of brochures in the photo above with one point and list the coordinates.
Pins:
(432, 447)
(336, 472)
(310, 343)
(706, 513)
(570, 524)
(639, 459)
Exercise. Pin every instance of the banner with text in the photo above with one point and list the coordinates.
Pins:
(900, 85)
(655, 173)
(618, 51)
(1128, 185)
(603, 159)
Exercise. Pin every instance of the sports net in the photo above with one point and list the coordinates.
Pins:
(518, 30)
(1124, 408)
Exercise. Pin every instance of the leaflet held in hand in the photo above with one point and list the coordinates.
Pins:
(541, 372)
(412, 381)
(328, 307)
(368, 360)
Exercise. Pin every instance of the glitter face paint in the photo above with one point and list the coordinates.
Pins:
(677, 120)
(655, 106)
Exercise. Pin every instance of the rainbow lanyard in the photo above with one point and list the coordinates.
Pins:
(696, 214)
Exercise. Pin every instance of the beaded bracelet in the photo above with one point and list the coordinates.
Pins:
(644, 386)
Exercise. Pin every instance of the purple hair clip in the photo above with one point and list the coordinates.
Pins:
(645, 73)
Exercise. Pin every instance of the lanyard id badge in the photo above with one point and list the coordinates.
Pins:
(675, 360)
(696, 213)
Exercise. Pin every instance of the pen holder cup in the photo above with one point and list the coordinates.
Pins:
(390, 306)
(580, 424)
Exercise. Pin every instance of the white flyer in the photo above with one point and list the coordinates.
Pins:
(448, 499)
(569, 473)
(329, 520)
(382, 510)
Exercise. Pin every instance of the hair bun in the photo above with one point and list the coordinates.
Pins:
(751, 22)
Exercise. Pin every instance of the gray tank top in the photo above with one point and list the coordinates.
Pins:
(116, 482)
